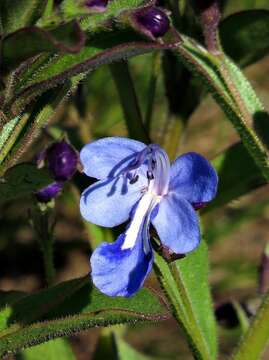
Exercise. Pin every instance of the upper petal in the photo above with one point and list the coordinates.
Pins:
(109, 202)
(194, 178)
(107, 157)
(177, 224)
(121, 272)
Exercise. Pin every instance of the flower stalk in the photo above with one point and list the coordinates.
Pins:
(129, 101)
(43, 224)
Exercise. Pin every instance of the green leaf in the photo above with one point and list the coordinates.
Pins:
(22, 133)
(19, 13)
(234, 183)
(30, 308)
(185, 282)
(23, 180)
(72, 8)
(245, 36)
(7, 297)
(125, 351)
(233, 93)
(66, 38)
(259, 117)
(6, 139)
(47, 71)
(52, 350)
(242, 316)
(235, 6)
(67, 308)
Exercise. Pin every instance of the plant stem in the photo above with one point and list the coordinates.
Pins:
(47, 249)
(124, 83)
(256, 338)
(44, 230)
(156, 64)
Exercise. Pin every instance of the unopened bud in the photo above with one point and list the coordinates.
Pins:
(152, 21)
(62, 160)
(49, 192)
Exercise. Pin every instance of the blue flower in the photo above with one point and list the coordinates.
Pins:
(137, 182)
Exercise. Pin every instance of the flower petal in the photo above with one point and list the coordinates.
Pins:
(122, 272)
(107, 157)
(177, 224)
(109, 202)
(193, 178)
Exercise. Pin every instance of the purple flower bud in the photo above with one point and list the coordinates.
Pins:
(154, 20)
(49, 192)
(97, 5)
(62, 160)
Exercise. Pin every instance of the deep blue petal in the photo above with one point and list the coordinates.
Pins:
(117, 272)
(194, 178)
(107, 157)
(109, 202)
(177, 224)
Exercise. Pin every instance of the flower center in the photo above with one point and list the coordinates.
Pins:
(157, 169)
(160, 170)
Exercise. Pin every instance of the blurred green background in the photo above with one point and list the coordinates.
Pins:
(236, 233)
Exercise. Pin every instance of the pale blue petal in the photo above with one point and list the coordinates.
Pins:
(107, 157)
(193, 178)
(177, 224)
(117, 272)
(109, 202)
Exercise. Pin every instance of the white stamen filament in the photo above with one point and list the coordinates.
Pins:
(161, 173)
(144, 208)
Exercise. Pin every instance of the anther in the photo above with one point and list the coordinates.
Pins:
(150, 175)
(153, 163)
(134, 179)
